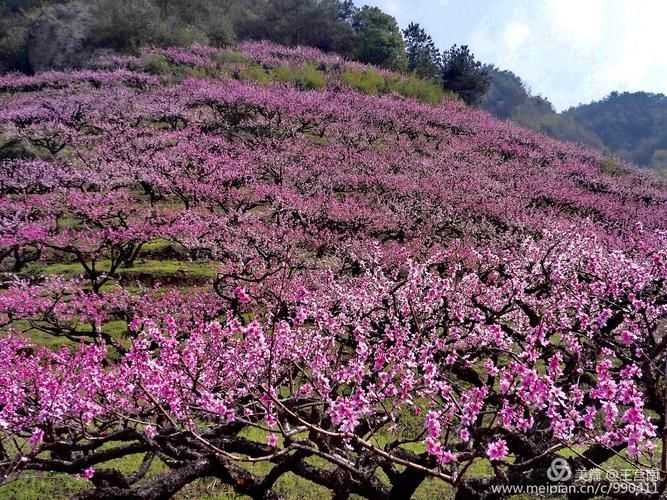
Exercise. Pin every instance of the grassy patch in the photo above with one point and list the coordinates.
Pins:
(156, 64)
(156, 245)
(256, 73)
(156, 268)
(417, 88)
(609, 166)
(35, 486)
(367, 81)
(43, 339)
(117, 329)
(230, 57)
(372, 82)
(166, 267)
(306, 77)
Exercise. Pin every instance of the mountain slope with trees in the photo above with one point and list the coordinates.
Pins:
(631, 124)
(38, 35)
(508, 98)
(58, 34)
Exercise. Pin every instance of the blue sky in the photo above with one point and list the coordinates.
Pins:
(570, 51)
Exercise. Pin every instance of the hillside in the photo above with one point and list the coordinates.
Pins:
(632, 125)
(38, 36)
(509, 98)
(273, 272)
(627, 125)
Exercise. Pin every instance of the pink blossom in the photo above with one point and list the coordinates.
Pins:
(343, 264)
(36, 438)
(150, 432)
(242, 295)
(497, 450)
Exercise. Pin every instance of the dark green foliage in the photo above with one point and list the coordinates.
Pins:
(121, 25)
(631, 125)
(317, 23)
(347, 10)
(509, 99)
(506, 93)
(214, 19)
(129, 24)
(60, 37)
(126, 25)
(13, 40)
(561, 127)
(379, 39)
(422, 54)
(464, 75)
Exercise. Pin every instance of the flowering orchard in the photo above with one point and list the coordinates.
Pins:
(397, 291)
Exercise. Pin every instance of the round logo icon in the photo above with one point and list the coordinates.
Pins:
(559, 470)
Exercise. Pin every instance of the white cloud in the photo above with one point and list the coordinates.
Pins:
(391, 6)
(515, 34)
(569, 51)
(578, 22)
(632, 53)
(573, 51)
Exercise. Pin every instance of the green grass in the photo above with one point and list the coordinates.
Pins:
(165, 267)
(372, 82)
(306, 77)
(609, 166)
(44, 339)
(156, 268)
(230, 57)
(156, 245)
(171, 71)
(117, 329)
(256, 73)
(367, 81)
(36, 485)
(156, 64)
(56, 486)
(417, 88)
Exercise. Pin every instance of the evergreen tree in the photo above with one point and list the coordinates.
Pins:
(379, 40)
(463, 74)
(422, 54)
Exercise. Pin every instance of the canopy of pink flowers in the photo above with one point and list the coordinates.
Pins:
(380, 267)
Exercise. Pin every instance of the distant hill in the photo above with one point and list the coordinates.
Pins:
(509, 98)
(632, 126)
